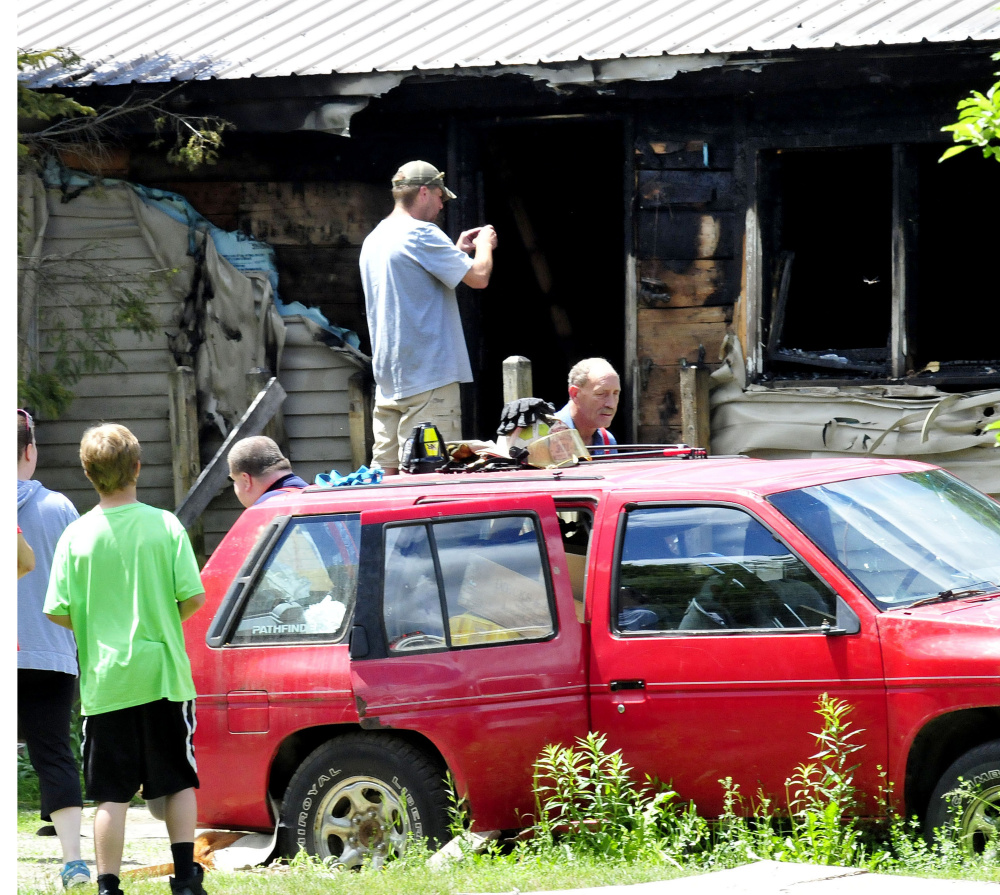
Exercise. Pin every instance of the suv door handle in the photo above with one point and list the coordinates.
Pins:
(627, 685)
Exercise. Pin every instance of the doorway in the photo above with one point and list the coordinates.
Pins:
(554, 191)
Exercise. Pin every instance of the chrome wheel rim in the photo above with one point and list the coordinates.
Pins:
(980, 822)
(360, 821)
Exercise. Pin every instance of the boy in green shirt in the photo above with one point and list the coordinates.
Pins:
(123, 579)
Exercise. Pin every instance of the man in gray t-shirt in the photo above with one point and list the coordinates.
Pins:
(409, 270)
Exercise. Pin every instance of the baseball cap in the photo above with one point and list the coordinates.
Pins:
(421, 174)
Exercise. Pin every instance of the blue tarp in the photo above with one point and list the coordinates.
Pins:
(244, 252)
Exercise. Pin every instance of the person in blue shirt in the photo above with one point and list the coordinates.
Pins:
(259, 470)
(46, 661)
(594, 390)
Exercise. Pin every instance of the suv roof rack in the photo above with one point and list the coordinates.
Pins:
(648, 452)
(602, 455)
(598, 453)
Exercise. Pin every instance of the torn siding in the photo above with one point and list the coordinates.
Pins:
(211, 315)
(98, 234)
(111, 231)
(918, 423)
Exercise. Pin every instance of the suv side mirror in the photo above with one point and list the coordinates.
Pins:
(358, 647)
(847, 620)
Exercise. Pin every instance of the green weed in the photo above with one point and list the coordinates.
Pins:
(587, 801)
(595, 825)
(949, 855)
(821, 824)
(588, 805)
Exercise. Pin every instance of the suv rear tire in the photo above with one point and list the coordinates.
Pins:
(978, 816)
(357, 798)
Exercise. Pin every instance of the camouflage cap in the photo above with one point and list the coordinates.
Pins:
(421, 174)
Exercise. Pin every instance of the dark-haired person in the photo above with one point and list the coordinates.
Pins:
(259, 470)
(46, 661)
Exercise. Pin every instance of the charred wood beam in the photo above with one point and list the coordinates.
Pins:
(213, 477)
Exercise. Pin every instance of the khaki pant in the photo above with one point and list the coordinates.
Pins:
(393, 421)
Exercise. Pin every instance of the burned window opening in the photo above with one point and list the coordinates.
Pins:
(830, 308)
(828, 298)
(954, 302)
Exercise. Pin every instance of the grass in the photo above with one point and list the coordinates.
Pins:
(598, 827)
(27, 783)
(410, 876)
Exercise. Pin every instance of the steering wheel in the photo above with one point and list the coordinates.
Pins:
(739, 579)
(416, 640)
(748, 600)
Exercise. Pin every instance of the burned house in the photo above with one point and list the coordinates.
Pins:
(739, 205)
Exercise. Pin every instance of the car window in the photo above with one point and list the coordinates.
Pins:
(710, 568)
(575, 525)
(307, 587)
(412, 606)
(465, 582)
(904, 537)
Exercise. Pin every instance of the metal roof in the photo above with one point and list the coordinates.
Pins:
(125, 41)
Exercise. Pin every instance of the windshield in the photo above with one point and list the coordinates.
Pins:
(905, 537)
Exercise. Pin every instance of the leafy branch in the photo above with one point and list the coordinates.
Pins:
(196, 140)
(978, 123)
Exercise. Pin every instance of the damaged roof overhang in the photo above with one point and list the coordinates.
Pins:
(333, 116)
(326, 103)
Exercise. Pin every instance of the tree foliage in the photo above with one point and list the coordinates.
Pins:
(90, 298)
(978, 123)
(47, 106)
(192, 140)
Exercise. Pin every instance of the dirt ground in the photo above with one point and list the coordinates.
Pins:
(39, 858)
(147, 850)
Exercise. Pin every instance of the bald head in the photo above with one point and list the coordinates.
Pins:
(594, 389)
(588, 368)
(255, 464)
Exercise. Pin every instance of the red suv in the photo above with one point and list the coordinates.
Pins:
(362, 642)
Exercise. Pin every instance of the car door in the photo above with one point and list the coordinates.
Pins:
(465, 634)
(274, 658)
(712, 644)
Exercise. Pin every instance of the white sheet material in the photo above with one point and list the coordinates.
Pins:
(916, 422)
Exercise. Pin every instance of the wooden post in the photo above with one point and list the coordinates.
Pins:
(360, 419)
(257, 380)
(516, 378)
(630, 369)
(185, 445)
(695, 409)
(905, 235)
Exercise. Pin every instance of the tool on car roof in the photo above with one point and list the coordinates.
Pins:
(684, 451)
(424, 450)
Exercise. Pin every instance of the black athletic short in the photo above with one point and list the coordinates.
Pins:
(147, 745)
